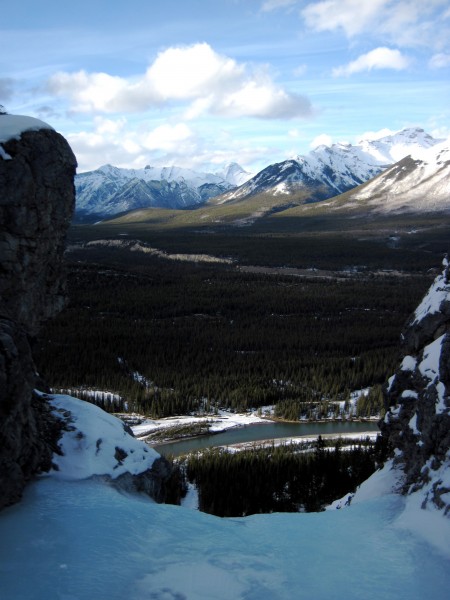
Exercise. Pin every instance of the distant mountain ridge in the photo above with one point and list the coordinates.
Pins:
(110, 190)
(324, 173)
(331, 170)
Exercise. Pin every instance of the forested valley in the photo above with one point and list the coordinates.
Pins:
(163, 337)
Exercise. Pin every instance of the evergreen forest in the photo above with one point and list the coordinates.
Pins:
(286, 478)
(163, 337)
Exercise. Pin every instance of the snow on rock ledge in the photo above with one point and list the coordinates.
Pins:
(97, 444)
(12, 126)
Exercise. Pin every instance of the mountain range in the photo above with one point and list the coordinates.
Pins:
(410, 166)
(110, 190)
(331, 170)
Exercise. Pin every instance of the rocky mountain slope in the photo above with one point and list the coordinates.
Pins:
(417, 424)
(110, 190)
(413, 184)
(331, 170)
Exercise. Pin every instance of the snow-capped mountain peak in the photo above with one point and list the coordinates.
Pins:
(331, 170)
(110, 190)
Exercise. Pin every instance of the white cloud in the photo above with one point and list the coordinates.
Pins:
(353, 16)
(380, 58)
(192, 71)
(167, 137)
(439, 61)
(128, 144)
(402, 22)
(262, 99)
(194, 75)
(321, 140)
(96, 92)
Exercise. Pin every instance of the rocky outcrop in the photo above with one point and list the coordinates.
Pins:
(37, 169)
(37, 197)
(417, 424)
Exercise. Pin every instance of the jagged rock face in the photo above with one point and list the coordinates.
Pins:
(36, 204)
(418, 422)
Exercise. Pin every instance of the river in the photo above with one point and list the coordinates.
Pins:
(262, 431)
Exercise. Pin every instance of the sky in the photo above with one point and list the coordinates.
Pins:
(199, 84)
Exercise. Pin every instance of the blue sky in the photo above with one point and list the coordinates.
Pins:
(199, 83)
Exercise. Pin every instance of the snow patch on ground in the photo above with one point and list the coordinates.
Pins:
(96, 443)
(220, 422)
(431, 303)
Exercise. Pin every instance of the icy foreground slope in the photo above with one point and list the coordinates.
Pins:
(84, 540)
(76, 539)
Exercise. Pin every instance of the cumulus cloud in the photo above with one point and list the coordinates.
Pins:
(121, 143)
(129, 144)
(380, 58)
(439, 61)
(195, 75)
(167, 137)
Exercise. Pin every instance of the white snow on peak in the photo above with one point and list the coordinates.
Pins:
(393, 147)
(381, 151)
(234, 174)
(96, 443)
(423, 182)
(12, 126)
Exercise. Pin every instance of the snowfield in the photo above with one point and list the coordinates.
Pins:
(84, 540)
(76, 538)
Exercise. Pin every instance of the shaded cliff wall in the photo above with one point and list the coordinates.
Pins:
(417, 424)
(37, 169)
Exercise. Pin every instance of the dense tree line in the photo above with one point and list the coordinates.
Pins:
(280, 478)
(173, 337)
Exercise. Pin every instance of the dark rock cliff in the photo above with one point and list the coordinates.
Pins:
(37, 198)
(417, 424)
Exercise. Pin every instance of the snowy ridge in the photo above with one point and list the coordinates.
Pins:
(331, 170)
(111, 190)
(412, 184)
